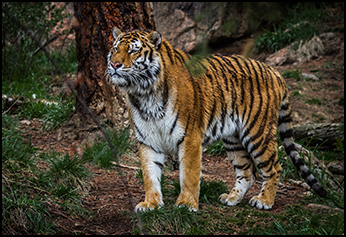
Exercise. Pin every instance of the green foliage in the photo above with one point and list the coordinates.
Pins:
(15, 154)
(20, 51)
(296, 94)
(216, 148)
(339, 145)
(300, 24)
(313, 101)
(296, 74)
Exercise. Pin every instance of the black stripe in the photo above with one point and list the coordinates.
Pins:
(290, 148)
(285, 119)
(223, 105)
(263, 164)
(228, 142)
(182, 139)
(237, 60)
(232, 87)
(179, 56)
(284, 106)
(212, 114)
(139, 131)
(271, 159)
(158, 152)
(160, 165)
(169, 53)
(165, 94)
(269, 137)
(237, 148)
(151, 54)
(174, 123)
(268, 177)
(286, 134)
(255, 145)
(260, 153)
(241, 167)
(214, 130)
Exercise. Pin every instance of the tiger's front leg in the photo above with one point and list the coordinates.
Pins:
(152, 164)
(190, 154)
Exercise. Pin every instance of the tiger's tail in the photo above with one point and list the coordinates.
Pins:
(286, 135)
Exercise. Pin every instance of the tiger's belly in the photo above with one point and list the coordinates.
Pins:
(219, 129)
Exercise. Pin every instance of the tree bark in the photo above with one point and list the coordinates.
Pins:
(93, 24)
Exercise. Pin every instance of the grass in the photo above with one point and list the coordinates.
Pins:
(296, 220)
(31, 181)
(296, 74)
(313, 101)
(101, 154)
(36, 82)
(215, 218)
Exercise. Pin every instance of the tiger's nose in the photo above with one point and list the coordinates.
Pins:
(116, 65)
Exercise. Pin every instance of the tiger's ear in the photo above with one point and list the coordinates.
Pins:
(116, 32)
(156, 39)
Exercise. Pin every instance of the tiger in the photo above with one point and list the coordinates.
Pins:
(175, 111)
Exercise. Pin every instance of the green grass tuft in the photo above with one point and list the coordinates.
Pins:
(101, 154)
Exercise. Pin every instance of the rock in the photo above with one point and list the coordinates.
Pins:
(331, 43)
(186, 25)
(25, 122)
(309, 76)
(324, 44)
(279, 58)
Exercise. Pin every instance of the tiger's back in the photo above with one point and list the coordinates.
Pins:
(172, 110)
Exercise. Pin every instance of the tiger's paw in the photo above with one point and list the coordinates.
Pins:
(190, 205)
(146, 206)
(261, 202)
(230, 200)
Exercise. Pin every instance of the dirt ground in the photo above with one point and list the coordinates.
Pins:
(108, 199)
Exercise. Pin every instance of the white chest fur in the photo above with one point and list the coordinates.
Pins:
(156, 125)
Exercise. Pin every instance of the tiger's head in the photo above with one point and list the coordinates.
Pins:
(134, 61)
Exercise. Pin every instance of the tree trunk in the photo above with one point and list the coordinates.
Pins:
(93, 24)
(326, 133)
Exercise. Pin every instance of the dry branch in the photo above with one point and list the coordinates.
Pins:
(326, 133)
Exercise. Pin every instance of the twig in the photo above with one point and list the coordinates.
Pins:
(63, 43)
(44, 44)
(14, 102)
(126, 166)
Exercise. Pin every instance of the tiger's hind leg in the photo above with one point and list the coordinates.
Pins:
(266, 160)
(244, 169)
